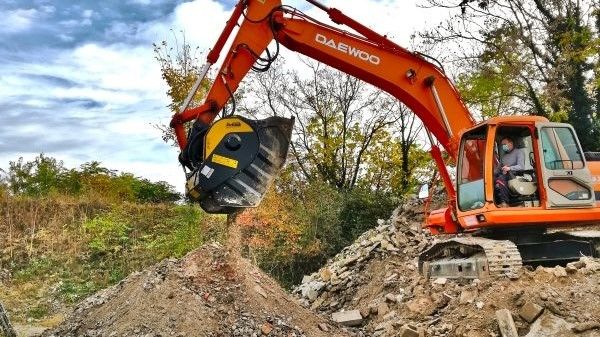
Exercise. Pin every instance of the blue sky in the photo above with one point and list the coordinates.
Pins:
(78, 80)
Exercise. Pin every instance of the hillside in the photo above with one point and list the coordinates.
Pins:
(56, 251)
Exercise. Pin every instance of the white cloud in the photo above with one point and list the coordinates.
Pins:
(87, 13)
(17, 20)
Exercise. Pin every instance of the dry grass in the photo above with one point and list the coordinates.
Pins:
(58, 250)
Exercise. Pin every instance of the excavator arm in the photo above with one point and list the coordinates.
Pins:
(410, 77)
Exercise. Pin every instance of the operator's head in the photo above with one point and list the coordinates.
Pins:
(507, 144)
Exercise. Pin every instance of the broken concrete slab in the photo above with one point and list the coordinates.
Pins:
(506, 323)
(549, 325)
(530, 312)
(408, 331)
(347, 318)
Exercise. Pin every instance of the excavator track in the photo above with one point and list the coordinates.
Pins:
(471, 257)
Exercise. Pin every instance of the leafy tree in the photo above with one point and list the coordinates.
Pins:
(532, 57)
(46, 176)
(36, 178)
(340, 121)
(179, 65)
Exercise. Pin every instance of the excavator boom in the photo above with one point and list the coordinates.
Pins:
(369, 56)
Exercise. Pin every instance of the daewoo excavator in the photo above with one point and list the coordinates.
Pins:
(230, 162)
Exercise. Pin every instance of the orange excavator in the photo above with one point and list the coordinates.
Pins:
(230, 162)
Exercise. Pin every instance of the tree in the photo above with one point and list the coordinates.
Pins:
(340, 122)
(532, 57)
(179, 66)
(45, 176)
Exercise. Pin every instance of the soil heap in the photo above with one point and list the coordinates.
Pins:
(210, 292)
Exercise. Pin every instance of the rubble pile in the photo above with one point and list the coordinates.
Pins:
(375, 289)
(335, 285)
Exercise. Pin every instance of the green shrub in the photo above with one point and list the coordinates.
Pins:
(109, 234)
(361, 209)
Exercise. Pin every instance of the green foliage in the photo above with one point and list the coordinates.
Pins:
(71, 290)
(361, 209)
(184, 236)
(520, 57)
(37, 267)
(45, 176)
(38, 311)
(79, 247)
(179, 65)
(294, 231)
(109, 234)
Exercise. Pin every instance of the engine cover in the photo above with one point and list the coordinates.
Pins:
(241, 157)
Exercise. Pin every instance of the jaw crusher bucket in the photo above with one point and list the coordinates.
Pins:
(239, 159)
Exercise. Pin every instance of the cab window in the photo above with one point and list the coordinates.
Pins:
(471, 189)
(560, 149)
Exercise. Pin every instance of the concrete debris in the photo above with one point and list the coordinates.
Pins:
(343, 274)
(530, 312)
(549, 325)
(583, 327)
(440, 281)
(468, 296)
(506, 323)
(348, 318)
(385, 286)
(408, 331)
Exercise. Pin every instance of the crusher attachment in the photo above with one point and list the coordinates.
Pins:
(234, 160)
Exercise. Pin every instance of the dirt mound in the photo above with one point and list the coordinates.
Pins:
(209, 292)
(378, 277)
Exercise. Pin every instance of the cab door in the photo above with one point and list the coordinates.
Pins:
(566, 177)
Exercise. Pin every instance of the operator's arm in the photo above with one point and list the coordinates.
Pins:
(519, 162)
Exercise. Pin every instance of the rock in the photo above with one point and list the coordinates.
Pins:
(530, 312)
(390, 298)
(389, 315)
(559, 271)
(326, 274)
(422, 305)
(479, 305)
(468, 296)
(348, 318)
(583, 327)
(260, 291)
(591, 264)
(365, 312)
(266, 328)
(408, 331)
(382, 309)
(549, 325)
(311, 290)
(307, 278)
(440, 281)
(506, 323)
(324, 327)
(576, 265)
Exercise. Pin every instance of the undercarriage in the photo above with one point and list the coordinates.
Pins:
(491, 253)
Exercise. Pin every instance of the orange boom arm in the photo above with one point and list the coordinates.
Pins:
(413, 80)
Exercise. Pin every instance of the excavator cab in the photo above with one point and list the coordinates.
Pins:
(554, 176)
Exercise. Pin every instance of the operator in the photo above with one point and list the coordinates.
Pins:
(511, 161)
